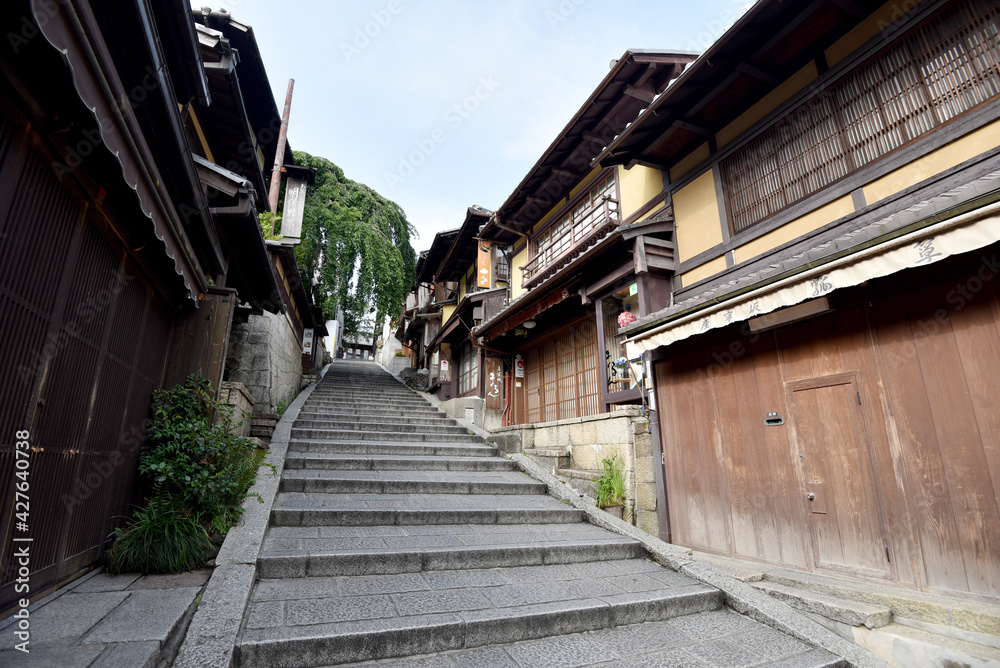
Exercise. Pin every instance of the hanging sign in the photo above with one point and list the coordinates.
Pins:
(519, 368)
(484, 273)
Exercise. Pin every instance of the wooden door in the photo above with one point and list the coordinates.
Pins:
(839, 486)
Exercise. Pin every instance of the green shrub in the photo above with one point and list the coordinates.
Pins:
(201, 466)
(281, 408)
(200, 473)
(160, 538)
(611, 484)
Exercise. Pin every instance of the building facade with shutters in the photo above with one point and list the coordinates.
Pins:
(826, 370)
(128, 219)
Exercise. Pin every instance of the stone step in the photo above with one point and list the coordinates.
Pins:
(338, 550)
(650, 644)
(329, 621)
(956, 617)
(410, 417)
(372, 407)
(361, 424)
(318, 461)
(852, 613)
(352, 435)
(903, 645)
(325, 509)
(551, 459)
(436, 482)
(352, 447)
(376, 398)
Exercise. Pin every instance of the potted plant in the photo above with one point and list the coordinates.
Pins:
(611, 486)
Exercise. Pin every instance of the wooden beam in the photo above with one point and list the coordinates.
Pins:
(643, 94)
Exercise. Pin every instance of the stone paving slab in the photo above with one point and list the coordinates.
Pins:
(351, 539)
(657, 644)
(335, 629)
(349, 445)
(406, 476)
(104, 621)
(302, 501)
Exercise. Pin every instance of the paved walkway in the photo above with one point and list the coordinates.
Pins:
(101, 621)
(398, 534)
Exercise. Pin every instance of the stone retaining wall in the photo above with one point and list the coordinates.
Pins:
(587, 441)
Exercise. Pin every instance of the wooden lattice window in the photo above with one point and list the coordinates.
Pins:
(562, 377)
(945, 67)
(468, 369)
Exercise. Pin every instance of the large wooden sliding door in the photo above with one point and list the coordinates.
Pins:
(864, 442)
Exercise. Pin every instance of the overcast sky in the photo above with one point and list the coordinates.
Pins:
(442, 104)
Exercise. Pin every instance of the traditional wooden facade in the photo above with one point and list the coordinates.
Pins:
(826, 370)
(122, 239)
(587, 244)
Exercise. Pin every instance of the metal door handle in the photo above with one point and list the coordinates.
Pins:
(810, 496)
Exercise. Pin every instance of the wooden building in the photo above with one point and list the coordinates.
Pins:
(827, 369)
(128, 233)
(586, 243)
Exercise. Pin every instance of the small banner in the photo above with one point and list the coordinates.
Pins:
(484, 266)
(494, 383)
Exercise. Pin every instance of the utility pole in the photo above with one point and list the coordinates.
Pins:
(279, 152)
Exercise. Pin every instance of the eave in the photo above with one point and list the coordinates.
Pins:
(769, 43)
(635, 79)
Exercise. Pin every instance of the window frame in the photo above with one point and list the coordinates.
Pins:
(744, 199)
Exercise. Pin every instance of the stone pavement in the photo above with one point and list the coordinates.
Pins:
(101, 621)
(399, 535)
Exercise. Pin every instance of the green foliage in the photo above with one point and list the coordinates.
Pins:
(269, 224)
(200, 472)
(203, 466)
(281, 408)
(160, 538)
(611, 484)
(355, 252)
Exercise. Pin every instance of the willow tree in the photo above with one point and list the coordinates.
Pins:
(355, 252)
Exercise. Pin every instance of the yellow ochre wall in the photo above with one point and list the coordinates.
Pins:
(637, 186)
(519, 260)
(696, 216)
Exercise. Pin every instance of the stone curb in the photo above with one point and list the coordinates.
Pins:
(739, 596)
(211, 637)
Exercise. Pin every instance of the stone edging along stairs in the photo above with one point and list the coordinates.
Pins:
(398, 533)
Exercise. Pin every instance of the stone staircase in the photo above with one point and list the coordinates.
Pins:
(903, 627)
(398, 533)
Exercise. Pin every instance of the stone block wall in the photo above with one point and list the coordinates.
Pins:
(265, 356)
(588, 441)
(473, 409)
(237, 397)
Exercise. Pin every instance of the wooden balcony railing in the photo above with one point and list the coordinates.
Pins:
(577, 236)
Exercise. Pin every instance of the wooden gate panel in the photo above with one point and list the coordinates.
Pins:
(786, 483)
(938, 380)
(748, 475)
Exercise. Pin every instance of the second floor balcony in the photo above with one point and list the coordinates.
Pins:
(572, 235)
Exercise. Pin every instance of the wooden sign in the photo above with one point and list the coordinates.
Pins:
(484, 266)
